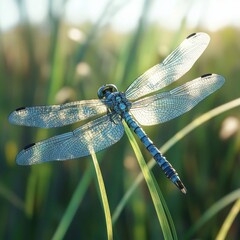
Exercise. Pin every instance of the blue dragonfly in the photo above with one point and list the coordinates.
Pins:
(136, 106)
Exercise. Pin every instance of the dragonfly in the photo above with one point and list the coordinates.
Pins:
(141, 104)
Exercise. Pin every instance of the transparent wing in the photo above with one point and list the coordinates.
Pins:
(171, 69)
(57, 115)
(91, 137)
(168, 105)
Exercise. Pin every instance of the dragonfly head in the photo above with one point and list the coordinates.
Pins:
(106, 90)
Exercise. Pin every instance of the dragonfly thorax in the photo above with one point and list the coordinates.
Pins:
(114, 100)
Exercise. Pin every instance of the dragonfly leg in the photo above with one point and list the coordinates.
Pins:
(110, 114)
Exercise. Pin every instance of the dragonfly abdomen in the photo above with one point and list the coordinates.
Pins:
(167, 168)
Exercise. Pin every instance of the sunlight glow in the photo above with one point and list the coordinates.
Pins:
(124, 16)
(230, 126)
(9, 15)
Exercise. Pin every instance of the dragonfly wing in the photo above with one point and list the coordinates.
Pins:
(91, 137)
(57, 115)
(171, 69)
(168, 105)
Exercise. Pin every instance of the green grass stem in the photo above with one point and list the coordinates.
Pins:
(212, 211)
(11, 197)
(74, 204)
(229, 220)
(152, 186)
(104, 197)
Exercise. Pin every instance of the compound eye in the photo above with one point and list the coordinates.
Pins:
(101, 92)
(109, 88)
(112, 88)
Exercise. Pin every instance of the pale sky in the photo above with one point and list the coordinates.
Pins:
(123, 15)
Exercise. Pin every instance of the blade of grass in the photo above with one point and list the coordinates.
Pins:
(169, 217)
(212, 211)
(199, 121)
(30, 192)
(177, 137)
(228, 221)
(11, 197)
(73, 204)
(151, 183)
(104, 197)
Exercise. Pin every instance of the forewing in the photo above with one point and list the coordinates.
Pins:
(57, 115)
(91, 137)
(171, 69)
(168, 105)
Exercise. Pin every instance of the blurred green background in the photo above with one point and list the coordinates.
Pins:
(49, 59)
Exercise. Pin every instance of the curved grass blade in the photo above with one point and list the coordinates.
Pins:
(76, 201)
(74, 204)
(177, 137)
(152, 186)
(168, 215)
(12, 197)
(212, 211)
(228, 221)
(104, 197)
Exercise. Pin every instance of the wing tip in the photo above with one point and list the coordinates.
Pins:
(19, 109)
(219, 79)
(11, 117)
(14, 116)
(19, 160)
(206, 75)
(22, 163)
(191, 35)
(22, 158)
(29, 146)
(199, 34)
